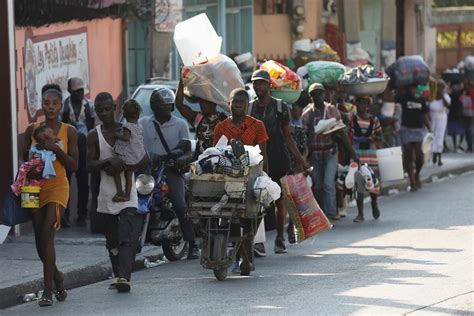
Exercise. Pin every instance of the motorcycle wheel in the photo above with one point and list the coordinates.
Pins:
(220, 274)
(175, 252)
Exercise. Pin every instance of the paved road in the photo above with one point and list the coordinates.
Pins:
(417, 258)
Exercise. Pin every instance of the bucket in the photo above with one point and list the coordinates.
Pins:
(196, 40)
(30, 196)
(390, 163)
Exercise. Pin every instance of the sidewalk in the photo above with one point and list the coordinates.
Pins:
(84, 259)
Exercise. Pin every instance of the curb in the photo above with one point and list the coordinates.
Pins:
(402, 185)
(101, 271)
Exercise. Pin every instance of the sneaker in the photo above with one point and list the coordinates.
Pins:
(123, 285)
(113, 285)
(280, 247)
(236, 267)
(193, 253)
(291, 236)
(365, 171)
(350, 180)
(259, 250)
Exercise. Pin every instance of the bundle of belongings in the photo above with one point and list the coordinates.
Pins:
(356, 178)
(281, 77)
(230, 160)
(408, 70)
(362, 74)
(325, 72)
(213, 81)
(315, 50)
(304, 210)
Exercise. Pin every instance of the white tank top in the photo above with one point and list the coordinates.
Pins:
(107, 184)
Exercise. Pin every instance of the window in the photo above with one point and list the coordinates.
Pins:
(271, 6)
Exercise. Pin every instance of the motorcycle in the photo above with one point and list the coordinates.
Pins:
(161, 226)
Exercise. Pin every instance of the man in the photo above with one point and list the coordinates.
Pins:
(323, 148)
(204, 122)
(79, 112)
(241, 126)
(173, 130)
(122, 221)
(275, 115)
(415, 116)
(251, 132)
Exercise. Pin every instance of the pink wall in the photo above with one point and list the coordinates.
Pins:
(105, 54)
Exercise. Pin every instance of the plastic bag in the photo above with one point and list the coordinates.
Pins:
(408, 70)
(325, 72)
(255, 156)
(12, 213)
(281, 76)
(213, 81)
(305, 212)
(266, 190)
(426, 146)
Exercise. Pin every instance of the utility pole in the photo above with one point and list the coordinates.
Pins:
(8, 110)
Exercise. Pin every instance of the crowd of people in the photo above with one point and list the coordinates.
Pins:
(293, 138)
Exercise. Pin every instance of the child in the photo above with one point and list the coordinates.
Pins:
(129, 147)
(40, 160)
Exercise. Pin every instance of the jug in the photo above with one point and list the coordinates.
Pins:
(196, 40)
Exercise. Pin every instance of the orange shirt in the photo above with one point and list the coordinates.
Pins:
(251, 132)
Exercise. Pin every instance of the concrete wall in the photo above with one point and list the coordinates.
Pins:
(105, 54)
(272, 33)
(371, 31)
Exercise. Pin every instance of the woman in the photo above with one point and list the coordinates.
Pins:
(412, 132)
(439, 120)
(54, 193)
(366, 134)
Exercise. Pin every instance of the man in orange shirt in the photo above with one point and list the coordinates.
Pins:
(241, 126)
(251, 132)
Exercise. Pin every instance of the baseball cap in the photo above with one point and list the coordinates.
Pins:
(315, 86)
(76, 84)
(261, 75)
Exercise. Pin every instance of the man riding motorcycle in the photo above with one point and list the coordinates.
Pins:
(162, 133)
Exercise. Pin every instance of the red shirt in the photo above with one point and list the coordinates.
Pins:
(251, 132)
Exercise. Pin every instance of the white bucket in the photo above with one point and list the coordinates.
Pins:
(390, 163)
(196, 40)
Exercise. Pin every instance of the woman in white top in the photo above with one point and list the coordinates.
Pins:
(439, 120)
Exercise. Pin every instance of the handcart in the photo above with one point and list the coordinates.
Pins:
(223, 219)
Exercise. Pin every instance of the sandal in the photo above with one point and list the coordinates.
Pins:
(61, 293)
(45, 301)
(359, 219)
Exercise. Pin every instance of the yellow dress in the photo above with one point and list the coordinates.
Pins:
(56, 190)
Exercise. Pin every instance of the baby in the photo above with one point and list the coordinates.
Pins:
(40, 160)
(129, 148)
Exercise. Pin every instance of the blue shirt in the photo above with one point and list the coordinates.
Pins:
(174, 130)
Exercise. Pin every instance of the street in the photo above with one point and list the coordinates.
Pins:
(417, 258)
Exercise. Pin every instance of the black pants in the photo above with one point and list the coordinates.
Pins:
(82, 178)
(122, 233)
(177, 194)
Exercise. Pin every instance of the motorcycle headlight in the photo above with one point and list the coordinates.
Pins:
(145, 184)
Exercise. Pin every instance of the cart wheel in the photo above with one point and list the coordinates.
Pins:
(219, 251)
(220, 274)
